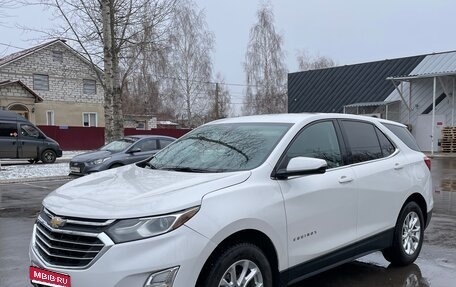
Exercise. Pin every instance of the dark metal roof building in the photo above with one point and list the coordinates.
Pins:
(328, 90)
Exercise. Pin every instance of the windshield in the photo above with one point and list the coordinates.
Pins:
(118, 145)
(221, 147)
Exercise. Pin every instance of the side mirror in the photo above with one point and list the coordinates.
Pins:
(133, 150)
(302, 166)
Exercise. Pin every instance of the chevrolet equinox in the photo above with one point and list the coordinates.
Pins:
(250, 201)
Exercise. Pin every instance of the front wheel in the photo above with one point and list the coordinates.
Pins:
(408, 236)
(242, 265)
(48, 156)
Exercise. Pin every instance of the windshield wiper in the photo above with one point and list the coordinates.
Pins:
(186, 169)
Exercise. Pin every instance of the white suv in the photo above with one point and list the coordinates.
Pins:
(250, 201)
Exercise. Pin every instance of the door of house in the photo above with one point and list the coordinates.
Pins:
(423, 131)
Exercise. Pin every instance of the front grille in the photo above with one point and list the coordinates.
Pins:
(67, 247)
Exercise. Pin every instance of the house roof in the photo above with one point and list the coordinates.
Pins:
(38, 99)
(26, 52)
(328, 90)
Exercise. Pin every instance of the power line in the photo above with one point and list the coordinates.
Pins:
(11, 46)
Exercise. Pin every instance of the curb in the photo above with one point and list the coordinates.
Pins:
(36, 179)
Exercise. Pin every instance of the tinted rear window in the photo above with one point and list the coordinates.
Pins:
(404, 135)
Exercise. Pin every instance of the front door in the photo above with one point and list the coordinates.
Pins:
(29, 141)
(320, 208)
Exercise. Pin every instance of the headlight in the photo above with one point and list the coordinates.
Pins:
(141, 228)
(98, 161)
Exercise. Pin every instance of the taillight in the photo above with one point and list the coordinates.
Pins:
(427, 161)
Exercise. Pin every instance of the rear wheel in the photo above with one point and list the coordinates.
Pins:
(48, 156)
(242, 265)
(408, 236)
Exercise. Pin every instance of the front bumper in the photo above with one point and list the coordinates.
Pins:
(86, 169)
(130, 264)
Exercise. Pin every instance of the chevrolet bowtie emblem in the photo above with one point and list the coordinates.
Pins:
(57, 222)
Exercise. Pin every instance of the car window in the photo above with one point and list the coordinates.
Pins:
(318, 141)
(29, 131)
(8, 130)
(385, 144)
(404, 135)
(362, 140)
(165, 142)
(118, 145)
(222, 147)
(146, 145)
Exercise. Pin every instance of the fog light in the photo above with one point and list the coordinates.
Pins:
(164, 278)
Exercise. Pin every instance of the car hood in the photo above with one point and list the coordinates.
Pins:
(89, 156)
(131, 191)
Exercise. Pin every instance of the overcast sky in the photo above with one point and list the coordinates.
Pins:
(348, 31)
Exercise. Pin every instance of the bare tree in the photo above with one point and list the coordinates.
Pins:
(111, 32)
(307, 62)
(190, 61)
(219, 99)
(264, 67)
(5, 5)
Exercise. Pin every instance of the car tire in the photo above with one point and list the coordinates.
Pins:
(48, 156)
(116, 165)
(244, 262)
(408, 236)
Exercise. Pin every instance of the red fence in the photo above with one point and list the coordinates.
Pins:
(87, 138)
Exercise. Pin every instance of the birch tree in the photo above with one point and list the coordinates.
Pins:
(111, 33)
(264, 67)
(190, 71)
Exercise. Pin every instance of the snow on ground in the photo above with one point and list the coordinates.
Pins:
(26, 171)
(20, 169)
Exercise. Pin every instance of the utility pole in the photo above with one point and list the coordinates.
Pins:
(216, 110)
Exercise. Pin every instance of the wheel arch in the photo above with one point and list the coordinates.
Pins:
(419, 199)
(252, 236)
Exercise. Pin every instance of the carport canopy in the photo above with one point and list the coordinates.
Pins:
(436, 76)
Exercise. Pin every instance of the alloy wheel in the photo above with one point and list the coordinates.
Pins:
(411, 233)
(243, 273)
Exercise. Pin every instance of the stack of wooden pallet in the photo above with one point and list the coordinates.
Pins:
(449, 139)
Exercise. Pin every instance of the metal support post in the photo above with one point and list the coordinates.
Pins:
(433, 115)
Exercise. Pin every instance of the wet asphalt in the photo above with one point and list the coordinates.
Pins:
(436, 265)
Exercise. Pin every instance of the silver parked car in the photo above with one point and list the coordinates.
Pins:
(121, 152)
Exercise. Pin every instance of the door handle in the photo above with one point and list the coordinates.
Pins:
(398, 166)
(344, 179)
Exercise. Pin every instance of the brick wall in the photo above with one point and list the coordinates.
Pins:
(65, 78)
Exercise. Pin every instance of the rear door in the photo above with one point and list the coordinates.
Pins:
(29, 141)
(8, 140)
(320, 208)
(381, 178)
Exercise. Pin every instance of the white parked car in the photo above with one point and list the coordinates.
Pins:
(249, 201)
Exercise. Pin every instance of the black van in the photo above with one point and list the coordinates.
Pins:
(19, 138)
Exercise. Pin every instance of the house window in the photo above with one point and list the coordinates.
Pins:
(89, 119)
(50, 118)
(57, 56)
(89, 87)
(40, 82)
